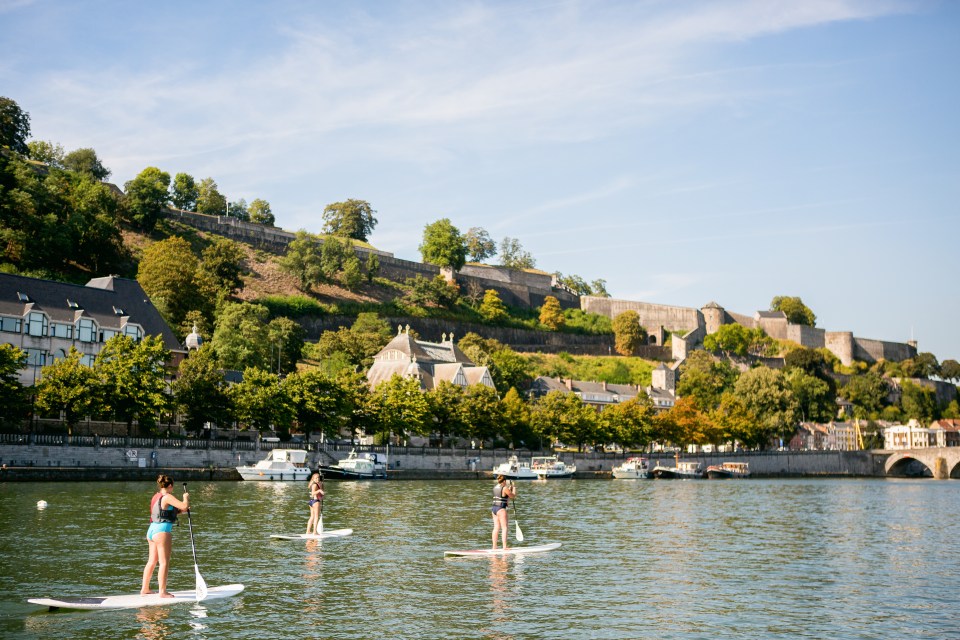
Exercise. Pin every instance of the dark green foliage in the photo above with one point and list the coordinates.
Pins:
(349, 219)
(85, 161)
(14, 126)
(146, 196)
(795, 310)
(443, 245)
(293, 306)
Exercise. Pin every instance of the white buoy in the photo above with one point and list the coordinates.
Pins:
(42, 504)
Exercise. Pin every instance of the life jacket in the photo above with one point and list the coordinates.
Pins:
(499, 500)
(161, 515)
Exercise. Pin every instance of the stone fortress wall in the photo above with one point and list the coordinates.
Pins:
(529, 289)
(842, 344)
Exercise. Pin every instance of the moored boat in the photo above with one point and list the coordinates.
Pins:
(724, 470)
(635, 468)
(551, 467)
(514, 469)
(280, 464)
(683, 471)
(366, 466)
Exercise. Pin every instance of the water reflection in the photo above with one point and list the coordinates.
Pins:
(152, 623)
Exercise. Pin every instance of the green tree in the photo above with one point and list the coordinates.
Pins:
(516, 426)
(241, 338)
(14, 126)
(480, 245)
(260, 213)
(209, 199)
(132, 375)
(435, 292)
(373, 266)
(814, 398)
(509, 369)
(868, 393)
(482, 412)
(918, 402)
(67, 387)
(238, 209)
(168, 273)
(12, 395)
(333, 255)
(443, 245)
(599, 287)
(86, 161)
(551, 315)
(398, 407)
(45, 151)
(223, 259)
(575, 283)
(368, 335)
(765, 394)
(627, 332)
(184, 192)
(446, 404)
(492, 308)
(513, 255)
(736, 340)
(287, 335)
(630, 422)
(146, 196)
(319, 402)
(302, 259)
(794, 309)
(562, 416)
(349, 219)
(739, 423)
(200, 390)
(261, 401)
(705, 378)
(351, 273)
(950, 370)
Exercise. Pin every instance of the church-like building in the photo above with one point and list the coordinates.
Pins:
(428, 362)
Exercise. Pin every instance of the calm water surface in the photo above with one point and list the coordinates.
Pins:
(697, 559)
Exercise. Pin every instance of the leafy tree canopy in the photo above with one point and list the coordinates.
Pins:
(146, 196)
(350, 219)
(184, 192)
(795, 310)
(86, 161)
(628, 334)
(480, 245)
(209, 199)
(14, 126)
(551, 315)
(513, 255)
(260, 213)
(443, 245)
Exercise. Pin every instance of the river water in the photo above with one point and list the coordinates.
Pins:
(795, 558)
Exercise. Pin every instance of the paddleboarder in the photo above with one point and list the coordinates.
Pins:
(316, 501)
(164, 507)
(502, 492)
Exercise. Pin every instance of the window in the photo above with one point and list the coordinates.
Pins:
(10, 325)
(133, 331)
(22, 297)
(87, 360)
(106, 334)
(71, 304)
(59, 355)
(60, 330)
(36, 357)
(36, 324)
(86, 330)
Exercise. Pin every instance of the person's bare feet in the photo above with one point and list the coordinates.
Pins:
(166, 594)
(146, 593)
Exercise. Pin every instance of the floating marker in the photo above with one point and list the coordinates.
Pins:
(42, 504)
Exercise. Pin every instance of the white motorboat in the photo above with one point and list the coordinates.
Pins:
(632, 469)
(280, 464)
(551, 467)
(514, 469)
(366, 466)
(736, 470)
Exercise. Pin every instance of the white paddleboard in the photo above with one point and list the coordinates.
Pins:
(333, 533)
(505, 552)
(135, 600)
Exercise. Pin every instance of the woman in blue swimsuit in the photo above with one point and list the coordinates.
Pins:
(315, 487)
(164, 508)
(502, 493)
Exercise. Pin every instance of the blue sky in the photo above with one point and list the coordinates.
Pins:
(683, 151)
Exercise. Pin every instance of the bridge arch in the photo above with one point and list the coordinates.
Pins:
(906, 465)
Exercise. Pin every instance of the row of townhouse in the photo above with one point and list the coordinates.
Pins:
(848, 436)
(913, 435)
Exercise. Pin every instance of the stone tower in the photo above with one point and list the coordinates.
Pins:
(713, 316)
(664, 378)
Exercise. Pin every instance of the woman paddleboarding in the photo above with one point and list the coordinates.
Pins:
(316, 501)
(502, 493)
(164, 508)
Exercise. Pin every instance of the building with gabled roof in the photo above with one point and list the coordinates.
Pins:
(429, 362)
(45, 318)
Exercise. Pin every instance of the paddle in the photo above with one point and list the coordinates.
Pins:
(201, 585)
(516, 522)
(319, 528)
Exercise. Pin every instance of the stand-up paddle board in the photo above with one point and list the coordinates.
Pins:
(135, 600)
(505, 552)
(333, 533)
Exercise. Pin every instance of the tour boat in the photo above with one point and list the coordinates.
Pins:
(280, 464)
(513, 469)
(684, 470)
(550, 467)
(366, 466)
(728, 470)
(632, 469)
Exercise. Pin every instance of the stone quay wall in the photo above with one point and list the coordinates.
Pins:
(59, 462)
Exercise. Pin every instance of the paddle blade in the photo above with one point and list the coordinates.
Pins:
(516, 531)
(201, 585)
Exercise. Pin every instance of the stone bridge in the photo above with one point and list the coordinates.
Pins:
(939, 463)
